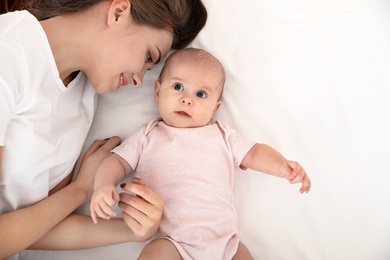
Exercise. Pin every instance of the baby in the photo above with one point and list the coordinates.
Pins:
(189, 160)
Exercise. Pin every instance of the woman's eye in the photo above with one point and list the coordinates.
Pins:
(201, 94)
(149, 58)
(178, 87)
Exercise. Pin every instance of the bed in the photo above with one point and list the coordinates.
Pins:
(312, 79)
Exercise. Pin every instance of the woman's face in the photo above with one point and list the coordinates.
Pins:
(124, 52)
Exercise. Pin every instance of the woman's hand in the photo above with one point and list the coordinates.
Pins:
(142, 212)
(98, 151)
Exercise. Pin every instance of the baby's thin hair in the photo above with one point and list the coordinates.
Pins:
(198, 55)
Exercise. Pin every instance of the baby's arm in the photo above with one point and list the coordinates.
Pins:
(264, 158)
(112, 170)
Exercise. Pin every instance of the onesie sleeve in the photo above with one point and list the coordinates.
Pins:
(131, 149)
(235, 143)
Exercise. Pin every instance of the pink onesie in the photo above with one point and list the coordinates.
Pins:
(192, 170)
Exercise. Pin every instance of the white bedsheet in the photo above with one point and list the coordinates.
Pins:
(312, 79)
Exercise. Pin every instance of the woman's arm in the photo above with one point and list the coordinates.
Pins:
(142, 213)
(79, 232)
(22, 228)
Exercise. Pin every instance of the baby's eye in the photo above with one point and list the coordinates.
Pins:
(178, 87)
(201, 94)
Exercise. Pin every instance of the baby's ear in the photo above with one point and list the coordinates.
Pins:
(157, 85)
(217, 106)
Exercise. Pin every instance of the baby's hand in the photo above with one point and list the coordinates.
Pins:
(298, 174)
(102, 201)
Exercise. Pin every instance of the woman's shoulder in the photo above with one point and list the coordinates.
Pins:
(23, 43)
(10, 20)
(19, 32)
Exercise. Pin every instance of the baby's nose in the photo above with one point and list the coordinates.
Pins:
(186, 101)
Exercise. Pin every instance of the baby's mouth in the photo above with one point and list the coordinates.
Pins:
(182, 113)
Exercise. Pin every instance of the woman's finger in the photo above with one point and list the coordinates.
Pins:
(138, 187)
(141, 224)
(142, 209)
(111, 143)
(106, 145)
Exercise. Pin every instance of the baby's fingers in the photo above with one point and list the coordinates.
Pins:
(297, 172)
(97, 211)
(106, 206)
(93, 215)
(104, 211)
(110, 198)
(306, 184)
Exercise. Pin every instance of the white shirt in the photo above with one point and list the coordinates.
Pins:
(43, 124)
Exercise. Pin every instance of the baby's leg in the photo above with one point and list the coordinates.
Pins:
(242, 253)
(160, 249)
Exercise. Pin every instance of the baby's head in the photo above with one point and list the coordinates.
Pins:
(189, 89)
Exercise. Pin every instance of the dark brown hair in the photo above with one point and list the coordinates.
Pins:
(11, 5)
(184, 17)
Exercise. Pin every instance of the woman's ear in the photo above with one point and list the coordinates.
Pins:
(157, 85)
(118, 10)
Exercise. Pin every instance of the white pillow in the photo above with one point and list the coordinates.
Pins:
(310, 78)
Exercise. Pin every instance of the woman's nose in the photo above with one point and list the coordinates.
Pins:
(137, 79)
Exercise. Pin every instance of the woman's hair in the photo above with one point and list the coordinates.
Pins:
(184, 17)
(12, 5)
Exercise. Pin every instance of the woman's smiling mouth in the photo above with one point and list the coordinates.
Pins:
(122, 81)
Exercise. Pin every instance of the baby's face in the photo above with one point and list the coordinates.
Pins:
(189, 94)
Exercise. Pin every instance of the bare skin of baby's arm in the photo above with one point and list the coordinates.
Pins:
(264, 158)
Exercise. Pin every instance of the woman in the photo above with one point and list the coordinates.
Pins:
(55, 58)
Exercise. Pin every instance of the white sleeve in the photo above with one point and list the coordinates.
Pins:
(11, 76)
